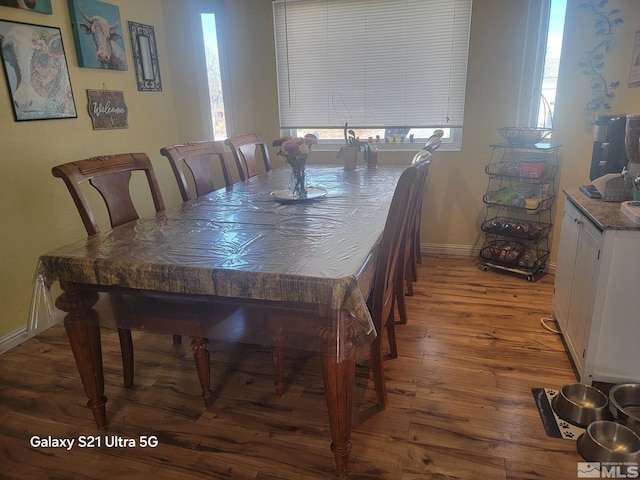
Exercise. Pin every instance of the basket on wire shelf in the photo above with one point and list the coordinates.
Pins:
(523, 135)
(530, 135)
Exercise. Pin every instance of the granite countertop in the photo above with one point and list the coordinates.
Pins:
(606, 215)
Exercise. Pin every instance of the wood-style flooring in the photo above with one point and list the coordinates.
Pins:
(460, 402)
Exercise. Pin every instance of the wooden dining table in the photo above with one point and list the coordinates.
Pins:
(244, 246)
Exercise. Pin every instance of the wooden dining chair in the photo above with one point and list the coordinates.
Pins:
(434, 142)
(159, 313)
(197, 156)
(407, 267)
(111, 175)
(245, 152)
(381, 300)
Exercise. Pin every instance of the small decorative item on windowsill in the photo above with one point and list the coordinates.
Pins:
(296, 151)
(349, 151)
(371, 157)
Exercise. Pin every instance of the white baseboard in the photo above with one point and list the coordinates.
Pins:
(13, 339)
(451, 249)
(42, 315)
(22, 334)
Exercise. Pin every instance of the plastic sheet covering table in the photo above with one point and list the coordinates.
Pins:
(314, 259)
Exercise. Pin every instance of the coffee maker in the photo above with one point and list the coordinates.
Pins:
(609, 154)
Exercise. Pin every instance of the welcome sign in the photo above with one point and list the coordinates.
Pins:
(107, 109)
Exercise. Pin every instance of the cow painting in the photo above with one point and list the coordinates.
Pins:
(36, 71)
(105, 37)
(24, 4)
(97, 32)
(41, 6)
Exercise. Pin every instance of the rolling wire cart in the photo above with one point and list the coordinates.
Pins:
(518, 201)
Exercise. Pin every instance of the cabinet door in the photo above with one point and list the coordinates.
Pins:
(567, 251)
(583, 295)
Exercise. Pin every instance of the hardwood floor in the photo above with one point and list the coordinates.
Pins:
(460, 402)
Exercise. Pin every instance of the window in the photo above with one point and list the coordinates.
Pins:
(551, 63)
(543, 45)
(213, 72)
(385, 67)
(214, 76)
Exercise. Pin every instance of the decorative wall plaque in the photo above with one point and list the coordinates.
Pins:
(107, 109)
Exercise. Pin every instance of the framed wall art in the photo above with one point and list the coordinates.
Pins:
(97, 32)
(40, 6)
(145, 57)
(634, 74)
(36, 70)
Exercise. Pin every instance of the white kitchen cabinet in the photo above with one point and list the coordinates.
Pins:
(596, 298)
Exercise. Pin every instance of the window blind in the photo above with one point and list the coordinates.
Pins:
(371, 63)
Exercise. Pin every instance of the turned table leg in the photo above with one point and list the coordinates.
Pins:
(203, 366)
(83, 331)
(277, 357)
(339, 379)
(339, 374)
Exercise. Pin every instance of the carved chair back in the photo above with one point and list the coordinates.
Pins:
(110, 175)
(197, 156)
(245, 152)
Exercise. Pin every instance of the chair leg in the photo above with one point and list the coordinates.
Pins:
(177, 339)
(377, 370)
(416, 246)
(399, 298)
(409, 276)
(414, 271)
(126, 349)
(202, 358)
(277, 355)
(391, 335)
(415, 257)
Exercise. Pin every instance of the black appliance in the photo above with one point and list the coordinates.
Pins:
(609, 155)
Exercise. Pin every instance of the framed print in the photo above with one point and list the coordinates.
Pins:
(36, 71)
(145, 57)
(97, 32)
(40, 6)
(107, 109)
(634, 74)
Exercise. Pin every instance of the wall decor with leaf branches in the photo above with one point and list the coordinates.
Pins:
(592, 64)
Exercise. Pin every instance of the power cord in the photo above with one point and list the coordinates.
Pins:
(543, 322)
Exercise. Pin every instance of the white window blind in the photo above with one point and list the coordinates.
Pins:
(371, 63)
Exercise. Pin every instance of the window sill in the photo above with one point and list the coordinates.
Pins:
(390, 147)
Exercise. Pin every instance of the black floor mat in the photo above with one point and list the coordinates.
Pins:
(554, 426)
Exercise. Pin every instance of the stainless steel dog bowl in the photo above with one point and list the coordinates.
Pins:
(607, 441)
(624, 403)
(580, 404)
